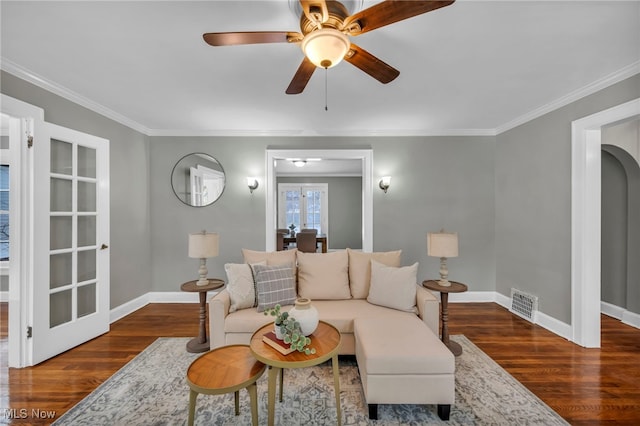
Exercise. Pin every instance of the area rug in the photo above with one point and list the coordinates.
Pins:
(151, 390)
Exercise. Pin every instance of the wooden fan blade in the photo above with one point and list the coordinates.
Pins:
(373, 66)
(388, 12)
(301, 78)
(251, 37)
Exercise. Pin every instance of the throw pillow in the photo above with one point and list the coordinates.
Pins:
(274, 285)
(240, 285)
(393, 287)
(284, 257)
(323, 276)
(360, 269)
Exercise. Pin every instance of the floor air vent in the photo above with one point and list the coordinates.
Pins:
(524, 305)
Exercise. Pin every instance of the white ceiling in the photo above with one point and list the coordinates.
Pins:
(476, 67)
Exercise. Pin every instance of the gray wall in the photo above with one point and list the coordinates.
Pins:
(620, 228)
(533, 201)
(345, 208)
(507, 196)
(614, 231)
(129, 162)
(437, 182)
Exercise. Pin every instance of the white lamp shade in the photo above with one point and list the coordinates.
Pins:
(326, 47)
(203, 245)
(442, 244)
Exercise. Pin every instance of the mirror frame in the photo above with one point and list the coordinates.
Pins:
(364, 155)
(200, 154)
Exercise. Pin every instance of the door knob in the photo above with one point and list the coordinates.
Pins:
(104, 246)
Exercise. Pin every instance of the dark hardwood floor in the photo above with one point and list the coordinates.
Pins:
(585, 386)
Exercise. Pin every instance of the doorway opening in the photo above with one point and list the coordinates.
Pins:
(586, 137)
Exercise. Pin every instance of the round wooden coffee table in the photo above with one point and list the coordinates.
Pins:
(326, 341)
(224, 370)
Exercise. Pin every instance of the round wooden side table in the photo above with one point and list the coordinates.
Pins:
(455, 287)
(325, 340)
(224, 370)
(201, 343)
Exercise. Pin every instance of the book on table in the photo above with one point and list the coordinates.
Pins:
(277, 344)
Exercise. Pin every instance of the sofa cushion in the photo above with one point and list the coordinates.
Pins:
(398, 347)
(360, 269)
(393, 287)
(339, 313)
(323, 276)
(240, 285)
(275, 258)
(274, 285)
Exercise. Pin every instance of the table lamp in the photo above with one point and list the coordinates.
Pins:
(443, 245)
(201, 246)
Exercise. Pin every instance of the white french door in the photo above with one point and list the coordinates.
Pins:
(70, 240)
(303, 205)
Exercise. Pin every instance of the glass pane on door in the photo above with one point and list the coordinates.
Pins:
(61, 308)
(73, 231)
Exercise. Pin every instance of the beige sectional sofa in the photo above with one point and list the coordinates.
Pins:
(344, 286)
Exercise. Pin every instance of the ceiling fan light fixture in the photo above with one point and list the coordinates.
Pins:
(325, 47)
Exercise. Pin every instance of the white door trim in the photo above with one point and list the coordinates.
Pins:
(585, 220)
(365, 155)
(20, 279)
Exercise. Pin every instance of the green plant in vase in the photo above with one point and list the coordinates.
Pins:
(293, 335)
(290, 330)
(279, 315)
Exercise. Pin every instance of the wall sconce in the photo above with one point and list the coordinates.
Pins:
(384, 183)
(252, 183)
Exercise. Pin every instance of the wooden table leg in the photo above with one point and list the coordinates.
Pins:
(192, 407)
(271, 393)
(236, 399)
(253, 399)
(281, 383)
(455, 348)
(200, 344)
(336, 386)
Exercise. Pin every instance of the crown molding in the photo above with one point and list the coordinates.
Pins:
(37, 80)
(615, 77)
(57, 89)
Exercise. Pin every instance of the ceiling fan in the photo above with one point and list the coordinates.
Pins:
(325, 29)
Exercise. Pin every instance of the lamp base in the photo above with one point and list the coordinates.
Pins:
(444, 283)
(202, 282)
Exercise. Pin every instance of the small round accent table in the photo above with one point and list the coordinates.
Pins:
(455, 287)
(201, 343)
(325, 340)
(224, 370)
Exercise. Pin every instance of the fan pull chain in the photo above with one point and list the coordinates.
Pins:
(326, 73)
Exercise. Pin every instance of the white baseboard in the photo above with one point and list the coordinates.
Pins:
(4, 296)
(553, 325)
(558, 327)
(131, 306)
(611, 310)
(631, 318)
(127, 308)
(617, 312)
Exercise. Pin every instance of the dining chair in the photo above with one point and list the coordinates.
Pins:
(280, 241)
(312, 230)
(306, 242)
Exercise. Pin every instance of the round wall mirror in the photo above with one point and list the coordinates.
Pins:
(198, 179)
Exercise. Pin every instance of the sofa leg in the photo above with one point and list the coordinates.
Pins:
(373, 411)
(443, 411)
